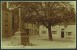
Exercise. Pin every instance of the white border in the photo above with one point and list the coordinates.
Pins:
(1, 23)
(38, 1)
(28, 1)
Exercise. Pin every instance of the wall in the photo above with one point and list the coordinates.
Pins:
(41, 33)
(33, 29)
(69, 28)
(6, 24)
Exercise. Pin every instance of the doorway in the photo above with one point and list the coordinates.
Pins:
(62, 33)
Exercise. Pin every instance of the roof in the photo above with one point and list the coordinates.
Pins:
(4, 7)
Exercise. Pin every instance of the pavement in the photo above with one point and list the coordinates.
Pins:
(39, 42)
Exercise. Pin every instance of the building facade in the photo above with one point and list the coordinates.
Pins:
(32, 28)
(59, 31)
(6, 21)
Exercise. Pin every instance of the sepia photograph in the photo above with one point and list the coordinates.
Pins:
(38, 24)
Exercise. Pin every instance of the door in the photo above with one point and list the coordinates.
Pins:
(27, 31)
(62, 33)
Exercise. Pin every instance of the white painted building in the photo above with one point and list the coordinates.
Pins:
(32, 28)
(69, 31)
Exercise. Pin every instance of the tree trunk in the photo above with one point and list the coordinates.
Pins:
(49, 33)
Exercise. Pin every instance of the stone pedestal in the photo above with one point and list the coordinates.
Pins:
(16, 39)
(20, 38)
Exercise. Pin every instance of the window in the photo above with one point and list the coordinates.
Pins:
(62, 29)
(69, 33)
(32, 25)
(26, 25)
(6, 31)
(6, 25)
(43, 32)
(6, 17)
(54, 32)
(6, 20)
